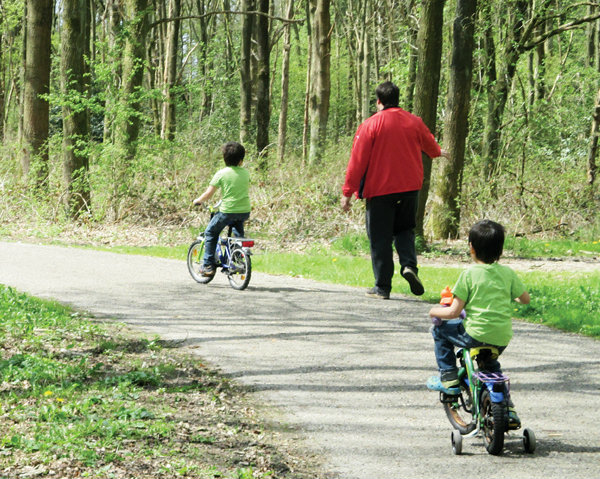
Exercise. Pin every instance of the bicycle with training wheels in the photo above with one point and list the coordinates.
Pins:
(481, 406)
(232, 256)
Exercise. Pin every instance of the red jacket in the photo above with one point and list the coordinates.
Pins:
(387, 154)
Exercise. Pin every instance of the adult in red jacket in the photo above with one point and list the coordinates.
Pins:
(386, 169)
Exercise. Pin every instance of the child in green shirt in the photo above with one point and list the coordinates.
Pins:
(234, 181)
(485, 291)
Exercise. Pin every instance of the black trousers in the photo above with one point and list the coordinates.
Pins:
(391, 219)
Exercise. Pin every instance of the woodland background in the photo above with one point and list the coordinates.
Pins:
(113, 111)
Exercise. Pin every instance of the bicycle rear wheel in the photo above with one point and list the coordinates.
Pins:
(240, 269)
(494, 421)
(460, 410)
(194, 261)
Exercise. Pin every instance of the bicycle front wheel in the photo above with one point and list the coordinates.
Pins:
(194, 261)
(240, 269)
(460, 410)
(494, 421)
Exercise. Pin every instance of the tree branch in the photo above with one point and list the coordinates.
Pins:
(224, 12)
(560, 29)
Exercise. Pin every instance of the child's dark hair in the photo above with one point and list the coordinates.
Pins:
(233, 153)
(487, 239)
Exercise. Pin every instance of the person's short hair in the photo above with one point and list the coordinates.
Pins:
(388, 94)
(233, 153)
(487, 239)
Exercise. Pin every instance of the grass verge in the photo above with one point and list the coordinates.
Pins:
(79, 401)
(566, 301)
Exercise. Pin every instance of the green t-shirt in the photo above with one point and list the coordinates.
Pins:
(234, 182)
(488, 291)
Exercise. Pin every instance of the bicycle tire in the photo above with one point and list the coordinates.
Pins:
(194, 262)
(240, 269)
(494, 420)
(460, 411)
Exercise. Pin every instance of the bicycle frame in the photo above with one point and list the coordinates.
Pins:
(226, 243)
(477, 380)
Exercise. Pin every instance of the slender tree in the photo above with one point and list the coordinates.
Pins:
(429, 42)
(285, 81)
(263, 100)
(2, 75)
(245, 70)
(446, 199)
(170, 72)
(593, 148)
(75, 40)
(36, 110)
(320, 77)
(136, 18)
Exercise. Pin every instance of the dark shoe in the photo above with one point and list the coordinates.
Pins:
(377, 293)
(513, 419)
(410, 275)
(207, 270)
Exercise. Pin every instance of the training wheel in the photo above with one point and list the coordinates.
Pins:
(528, 440)
(456, 439)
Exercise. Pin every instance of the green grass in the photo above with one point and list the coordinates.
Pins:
(81, 401)
(528, 248)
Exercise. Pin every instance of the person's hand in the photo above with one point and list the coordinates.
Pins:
(345, 202)
(197, 202)
(445, 154)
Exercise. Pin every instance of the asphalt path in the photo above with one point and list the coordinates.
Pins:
(346, 370)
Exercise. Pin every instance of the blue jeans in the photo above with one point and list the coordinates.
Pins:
(450, 334)
(218, 222)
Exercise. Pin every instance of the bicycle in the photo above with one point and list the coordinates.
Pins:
(232, 256)
(481, 407)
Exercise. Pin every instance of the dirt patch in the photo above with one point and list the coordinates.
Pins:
(574, 265)
(175, 235)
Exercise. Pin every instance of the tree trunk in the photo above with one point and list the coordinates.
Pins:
(263, 110)
(498, 93)
(36, 110)
(245, 71)
(591, 32)
(285, 81)
(446, 205)
(320, 78)
(412, 68)
(113, 35)
(169, 118)
(133, 72)
(305, 125)
(364, 63)
(429, 42)
(593, 150)
(2, 80)
(74, 79)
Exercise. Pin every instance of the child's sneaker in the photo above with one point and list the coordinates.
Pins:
(451, 388)
(207, 270)
(513, 419)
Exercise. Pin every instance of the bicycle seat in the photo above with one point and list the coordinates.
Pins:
(491, 350)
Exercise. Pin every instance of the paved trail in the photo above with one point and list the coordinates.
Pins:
(348, 370)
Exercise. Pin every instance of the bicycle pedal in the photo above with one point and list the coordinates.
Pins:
(448, 398)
